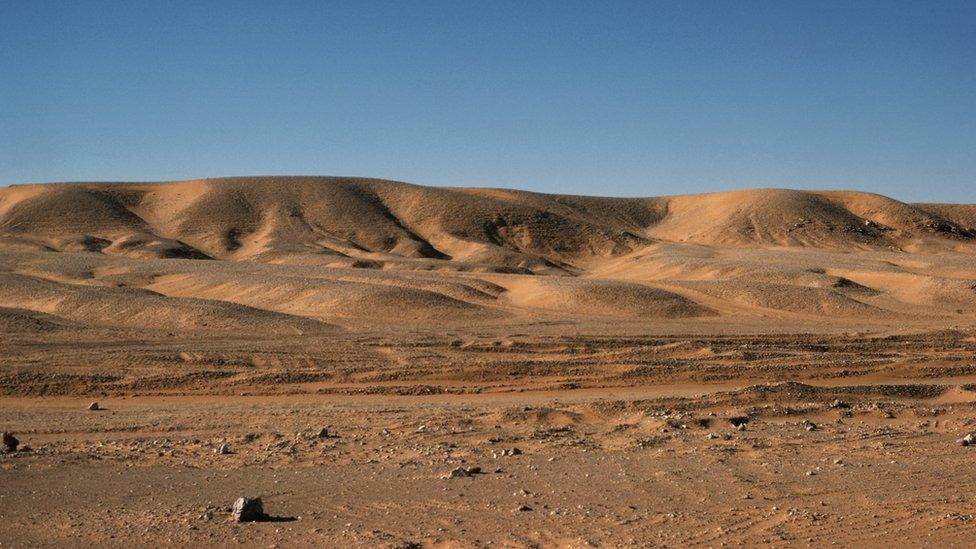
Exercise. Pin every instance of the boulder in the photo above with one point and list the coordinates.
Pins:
(248, 510)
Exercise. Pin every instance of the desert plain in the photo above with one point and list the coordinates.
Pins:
(394, 365)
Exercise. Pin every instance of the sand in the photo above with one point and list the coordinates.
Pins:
(609, 339)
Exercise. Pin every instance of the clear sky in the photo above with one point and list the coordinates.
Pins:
(608, 98)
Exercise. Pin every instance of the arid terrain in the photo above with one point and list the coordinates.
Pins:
(759, 366)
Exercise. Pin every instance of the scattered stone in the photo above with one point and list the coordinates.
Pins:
(738, 421)
(10, 443)
(94, 407)
(407, 545)
(459, 472)
(248, 510)
(839, 404)
(509, 452)
(462, 472)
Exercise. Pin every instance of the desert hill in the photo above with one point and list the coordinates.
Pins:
(300, 253)
(273, 218)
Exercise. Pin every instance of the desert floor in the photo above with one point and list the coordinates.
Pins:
(606, 456)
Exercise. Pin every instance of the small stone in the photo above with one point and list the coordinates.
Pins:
(738, 421)
(223, 450)
(459, 472)
(10, 442)
(522, 508)
(94, 407)
(324, 432)
(462, 472)
(248, 510)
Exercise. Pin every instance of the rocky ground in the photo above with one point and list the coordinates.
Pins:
(780, 463)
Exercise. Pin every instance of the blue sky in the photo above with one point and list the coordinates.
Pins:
(608, 98)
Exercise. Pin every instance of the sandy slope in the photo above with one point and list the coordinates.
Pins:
(327, 249)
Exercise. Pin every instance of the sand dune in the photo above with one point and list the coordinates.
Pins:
(23, 320)
(324, 297)
(602, 298)
(283, 252)
(829, 302)
(139, 308)
(799, 218)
